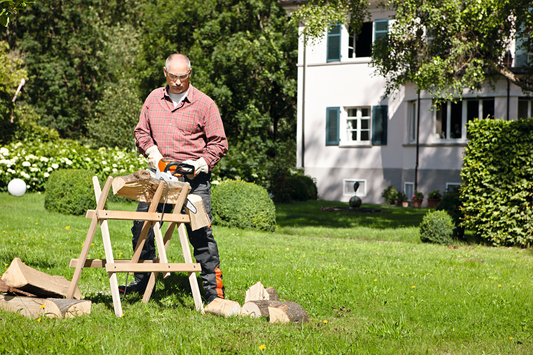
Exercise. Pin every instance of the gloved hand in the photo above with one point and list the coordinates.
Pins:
(200, 166)
(153, 156)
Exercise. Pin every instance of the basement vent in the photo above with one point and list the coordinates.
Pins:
(347, 187)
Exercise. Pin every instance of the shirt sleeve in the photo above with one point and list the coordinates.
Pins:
(143, 133)
(217, 143)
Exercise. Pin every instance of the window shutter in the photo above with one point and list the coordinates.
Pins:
(334, 44)
(332, 125)
(379, 125)
(381, 29)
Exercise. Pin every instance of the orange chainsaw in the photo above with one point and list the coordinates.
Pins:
(171, 171)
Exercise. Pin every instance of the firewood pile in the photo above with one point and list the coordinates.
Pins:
(35, 294)
(260, 302)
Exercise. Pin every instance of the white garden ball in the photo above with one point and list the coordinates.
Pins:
(16, 187)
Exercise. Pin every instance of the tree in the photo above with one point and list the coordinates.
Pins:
(10, 8)
(443, 46)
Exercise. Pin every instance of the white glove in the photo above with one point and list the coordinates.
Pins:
(153, 156)
(200, 166)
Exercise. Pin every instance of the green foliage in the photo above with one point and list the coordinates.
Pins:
(70, 191)
(498, 181)
(243, 55)
(436, 227)
(390, 194)
(10, 8)
(451, 203)
(34, 161)
(435, 194)
(244, 205)
(72, 49)
(286, 187)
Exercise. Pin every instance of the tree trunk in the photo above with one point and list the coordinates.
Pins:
(141, 186)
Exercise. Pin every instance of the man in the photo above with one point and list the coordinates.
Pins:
(181, 123)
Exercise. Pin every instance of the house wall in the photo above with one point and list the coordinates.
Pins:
(351, 82)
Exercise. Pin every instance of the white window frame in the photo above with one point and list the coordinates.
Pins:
(448, 184)
(411, 121)
(344, 141)
(405, 184)
(463, 118)
(359, 193)
(352, 58)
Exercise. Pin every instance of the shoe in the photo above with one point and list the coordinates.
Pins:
(138, 285)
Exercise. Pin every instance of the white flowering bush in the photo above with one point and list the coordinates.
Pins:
(34, 161)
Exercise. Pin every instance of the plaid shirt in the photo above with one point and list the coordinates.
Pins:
(192, 130)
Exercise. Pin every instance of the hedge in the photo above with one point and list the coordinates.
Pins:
(497, 174)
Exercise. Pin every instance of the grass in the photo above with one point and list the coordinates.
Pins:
(368, 284)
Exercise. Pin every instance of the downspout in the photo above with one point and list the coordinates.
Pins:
(303, 104)
(417, 137)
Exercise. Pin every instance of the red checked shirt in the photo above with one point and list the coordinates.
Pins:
(191, 130)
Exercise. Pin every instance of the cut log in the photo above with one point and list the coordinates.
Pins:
(36, 282)
(272, 294)
(8, 289)
(256, 309)
(199, 219)
(49, 307)
(223, 307)
(288, 312)
(256, 293)
(141, 186)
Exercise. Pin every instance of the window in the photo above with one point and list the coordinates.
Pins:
(348, 187)
(361, 46)
(358, 125)
(334, 44)
(522, 56)
(524, 108)
(409, 189)
(452, 186)
(451, 118)
(411, 114)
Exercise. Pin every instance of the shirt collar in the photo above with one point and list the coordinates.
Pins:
(191, 95)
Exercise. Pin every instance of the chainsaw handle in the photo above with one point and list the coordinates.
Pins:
(180, 168)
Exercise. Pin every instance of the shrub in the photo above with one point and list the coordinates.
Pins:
(70, 191)
(418, 195)
(436, 227)
(390, 194)
(497, 176)
(286, 187)
(451, 203)
(243, 205)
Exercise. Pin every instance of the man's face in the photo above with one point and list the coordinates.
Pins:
(177, 69)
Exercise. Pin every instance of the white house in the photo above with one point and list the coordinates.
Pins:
(347, 132)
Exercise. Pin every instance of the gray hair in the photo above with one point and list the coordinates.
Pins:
(182, 57)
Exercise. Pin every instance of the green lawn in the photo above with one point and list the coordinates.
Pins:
(368, 284)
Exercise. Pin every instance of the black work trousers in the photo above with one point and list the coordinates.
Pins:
(202, 240)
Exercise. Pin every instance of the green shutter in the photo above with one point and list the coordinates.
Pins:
(334, 44)
(381, 29)
(379, 125)
(332, 125)
(521, 53)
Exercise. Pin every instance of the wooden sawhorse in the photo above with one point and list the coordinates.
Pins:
(151, 218)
